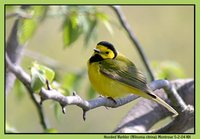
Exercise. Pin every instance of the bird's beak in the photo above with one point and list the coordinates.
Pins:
(97, 50)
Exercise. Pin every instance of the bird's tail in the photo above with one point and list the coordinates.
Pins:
(163, 103)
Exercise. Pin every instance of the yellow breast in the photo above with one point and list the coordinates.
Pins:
(105, 85)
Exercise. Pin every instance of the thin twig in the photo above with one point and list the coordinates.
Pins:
(134, 39)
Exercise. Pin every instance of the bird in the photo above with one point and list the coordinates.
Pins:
(113, 75)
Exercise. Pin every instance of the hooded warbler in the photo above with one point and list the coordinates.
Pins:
(114, 75)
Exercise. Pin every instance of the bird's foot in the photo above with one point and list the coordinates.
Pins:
(112, 99)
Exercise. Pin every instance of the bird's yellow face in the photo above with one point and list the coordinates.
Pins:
(104, 50)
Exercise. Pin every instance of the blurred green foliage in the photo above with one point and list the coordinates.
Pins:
(28, 24)
(91, 93)
(57, 110)
(168, 70)
(77, 21)
(82, 20)
(72, 81)
(20, 89)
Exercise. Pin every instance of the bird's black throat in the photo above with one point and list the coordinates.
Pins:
(95, 58)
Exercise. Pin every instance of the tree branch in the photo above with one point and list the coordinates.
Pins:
(134, 39)
(146, 113)
(26, 80)
(171, 91)
(84, 104)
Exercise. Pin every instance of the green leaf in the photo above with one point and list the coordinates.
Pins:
(72, 30)
(83, 20)
(37, 79)
(27, 28)
(49, 73)
(40, 74)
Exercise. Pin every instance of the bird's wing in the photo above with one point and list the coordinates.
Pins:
(124, 71)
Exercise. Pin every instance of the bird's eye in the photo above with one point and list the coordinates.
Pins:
(107, 52)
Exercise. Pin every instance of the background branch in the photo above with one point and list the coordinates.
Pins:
(14, 51)
(133, 39)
